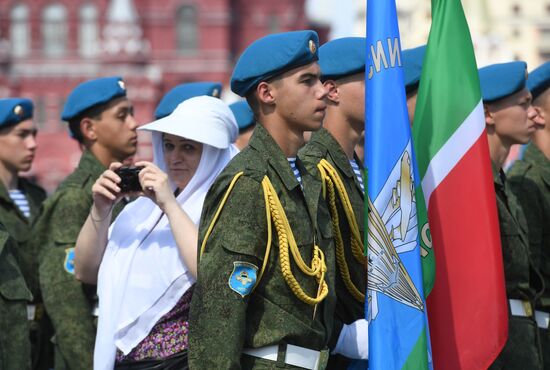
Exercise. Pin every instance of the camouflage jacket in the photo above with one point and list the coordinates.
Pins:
(522, 278)
(522, 349)
(222, 320)
(15, 347)
(19, 228)
(529, 178)
(68, 302)
(323, 146)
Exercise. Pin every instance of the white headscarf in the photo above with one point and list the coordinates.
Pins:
(142, 275)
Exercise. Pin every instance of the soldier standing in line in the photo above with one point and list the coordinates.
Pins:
(412, 69)
(182, 92)
(20, 200)
(330, 155)
(530, 180)
(265, 292)
(101, 119)
(509, 120)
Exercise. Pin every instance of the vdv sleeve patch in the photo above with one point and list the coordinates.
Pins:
(69, 260)
(243, 278)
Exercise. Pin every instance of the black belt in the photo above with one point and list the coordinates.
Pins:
(174, 362)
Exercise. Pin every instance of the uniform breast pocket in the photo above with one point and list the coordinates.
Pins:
(12, 283)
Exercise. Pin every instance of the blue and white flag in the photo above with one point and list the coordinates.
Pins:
(395, 308)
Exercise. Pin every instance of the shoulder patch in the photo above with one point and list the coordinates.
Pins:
(243, 278)
(69, 260)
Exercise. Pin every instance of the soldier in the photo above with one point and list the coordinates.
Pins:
(185, 91)
(530, 181)
(265, 289)
(412, 67)
(330, 155)
(245, 120)
(509, 120)
(15, 347)
(20, 201)
(101, 119)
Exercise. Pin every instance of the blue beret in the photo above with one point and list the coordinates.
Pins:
(14, 111)
(183, 92)
(272, 55)
(412, 66)
(500, 80)
(243, 114)
(539, 80)
(91, 93)
(342, 57)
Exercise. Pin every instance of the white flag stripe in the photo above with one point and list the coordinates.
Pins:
(453, 150)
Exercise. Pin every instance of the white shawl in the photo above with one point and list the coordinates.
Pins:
(142, 276)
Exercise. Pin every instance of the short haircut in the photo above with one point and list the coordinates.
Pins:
(94, 112)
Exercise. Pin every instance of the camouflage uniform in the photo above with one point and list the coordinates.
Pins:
(323, 146)
(523, 282)
(19, 228)
(530, 181)
(223, 322)
(68, 302)
(15, 347)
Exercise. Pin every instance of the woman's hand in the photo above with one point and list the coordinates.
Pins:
(106, 192)
(156, 185)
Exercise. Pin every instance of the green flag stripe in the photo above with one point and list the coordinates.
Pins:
(436, 119)
(418, 358)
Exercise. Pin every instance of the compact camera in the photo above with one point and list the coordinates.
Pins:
(129, 179)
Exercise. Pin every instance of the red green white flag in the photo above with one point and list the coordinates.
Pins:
(467, 307)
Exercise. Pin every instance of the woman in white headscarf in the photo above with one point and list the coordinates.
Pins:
(145, 264)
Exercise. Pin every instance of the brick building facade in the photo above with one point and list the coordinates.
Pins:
(48, 47)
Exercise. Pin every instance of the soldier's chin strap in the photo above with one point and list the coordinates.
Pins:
(330, 180)
(275, 213)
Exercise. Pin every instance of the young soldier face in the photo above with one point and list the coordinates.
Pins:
(182, 157)
(299, 98)
(513, 118)
(18, 146)
(116, 129)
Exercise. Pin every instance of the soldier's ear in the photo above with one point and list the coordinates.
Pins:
(88, 129)
(489, 115)
(333, 93)
(265, 93)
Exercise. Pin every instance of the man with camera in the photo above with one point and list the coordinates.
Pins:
(101, 119)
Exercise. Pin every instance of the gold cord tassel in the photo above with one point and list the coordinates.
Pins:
(331, 179)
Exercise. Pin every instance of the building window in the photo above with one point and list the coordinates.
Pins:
(54, 30)
(273, 24)
(88, 31)
(40, 117)
(186, 28)
(19, 31)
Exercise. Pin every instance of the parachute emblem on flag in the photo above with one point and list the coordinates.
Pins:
(392, 232)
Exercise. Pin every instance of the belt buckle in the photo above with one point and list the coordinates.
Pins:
(527, 308)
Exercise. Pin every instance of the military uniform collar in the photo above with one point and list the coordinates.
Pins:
(324, 137)
(535, 156)
(89, 163)
(4, 193)
(262, 141)
(498, 175)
